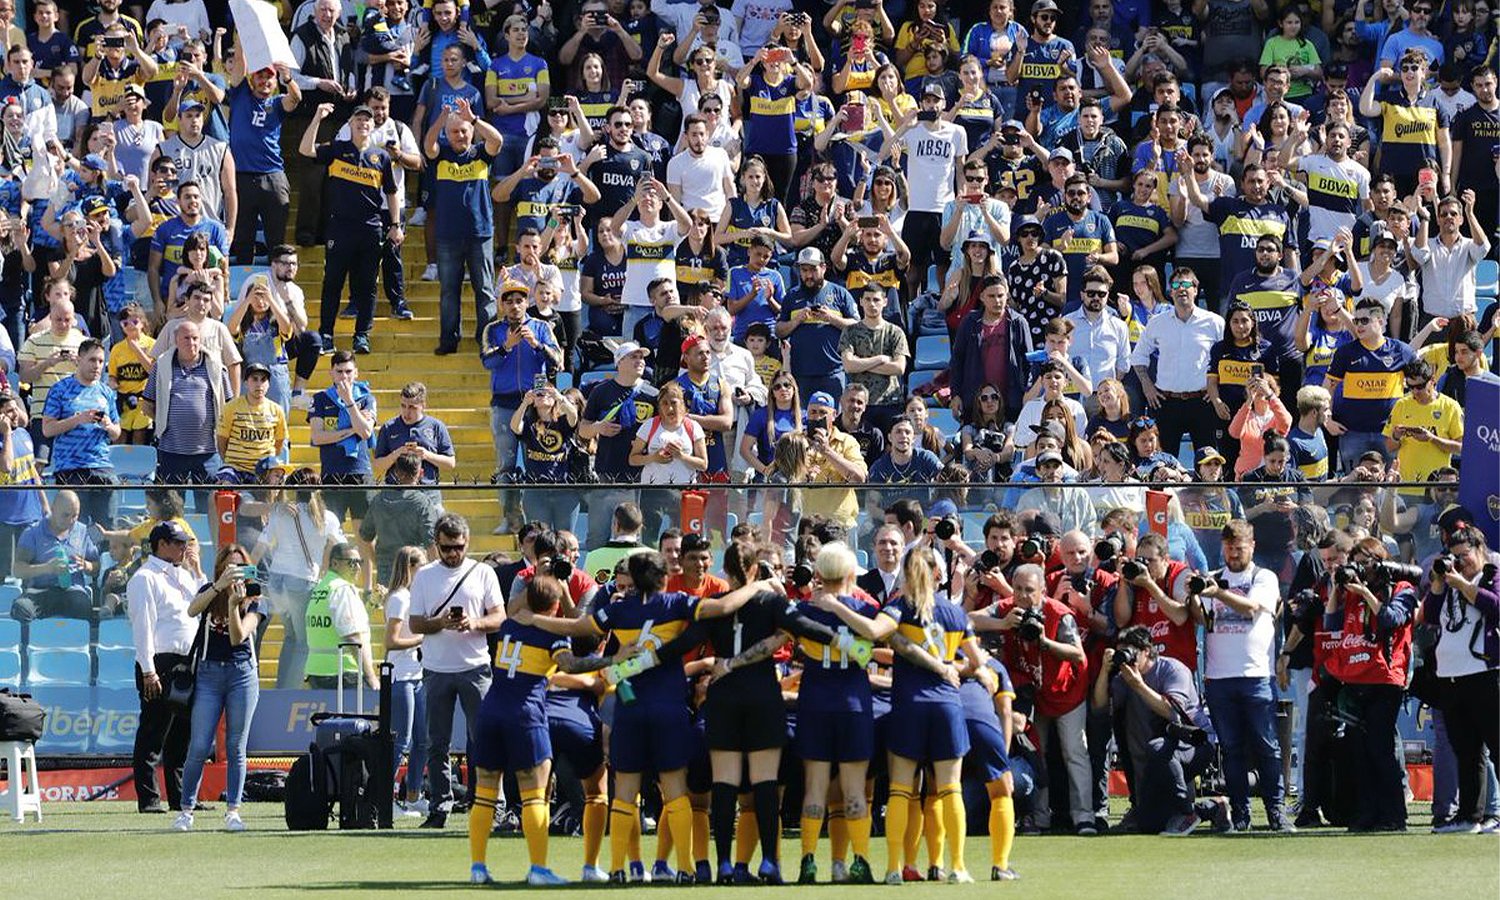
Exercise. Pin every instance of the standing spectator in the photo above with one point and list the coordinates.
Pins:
(1414, 129)
(68, 108)
(934, 150)
(1274, 295)
(325, 73)
(159, 593)
(256, 113)
(136, 137)
(1475, 136)
(1337, 187)
(1448, 264)
(812, 321)
(1100, 337)
(1197, 236)
(671, 449)
(701, 176)
(650, 244)
(252, 432)
(51, 48)
(214, 335)
(1240, 607)
(304, 347)
(834, 458)
(19, 509)
(1425, 429)
(205, 161)
(116, 62)
(615, 410)
(441, 93)
(35, 99)
(363, 211)
(518, 87)
(445, 27)
(517, 349)
(185, 395)
(545, 423)
(874, 353)
(81, 418)
(414, 433)
(227, 683)
(399, 518)
(1369, 369)
(1084, 236)
(455, 602)
(990, 347)
(1242, 221)
(56, 561)
(600, 34)
(343, 427)
(403, 652)
(1178, 391)
(464, 234)
(616, 166)
(47, 355)
(396, 137)
(336, 616)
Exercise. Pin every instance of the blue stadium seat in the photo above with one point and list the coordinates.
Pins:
(116, 667)
(69, 634)
(919, 378)
(564, 380)
(933, 352)
(115, 633)
(238, 275)
(594, 378)
(1487, 278)
(8, 595)
(10, 667)
(974, 525)
(133, 463)
(926, 327)
(862, 558)
(943, 420)
(131, 502)
(59, 667)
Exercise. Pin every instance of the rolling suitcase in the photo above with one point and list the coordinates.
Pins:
(351, 757)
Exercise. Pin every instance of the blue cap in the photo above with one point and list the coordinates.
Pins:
(822, 398)
(189, 103)
(96, 162)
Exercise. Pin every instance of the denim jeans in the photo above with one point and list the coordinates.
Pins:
(506, 442)
(633, 316)
(443, 689)
(409, 719)
(1244, 715)
(230, 689)
(557, 506)
(476, 255)
(1354, 443)
(288, 595)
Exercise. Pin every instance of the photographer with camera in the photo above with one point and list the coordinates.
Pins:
(549, 550)
(1365, 643)
(1044, 653)
(1152, 592)
(1462, 597)
(1085, 588)
(988, 578)
(1166, 730)
(1239, 608)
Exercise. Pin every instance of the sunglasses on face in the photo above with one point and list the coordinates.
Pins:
(1096, 293)
(825, 178)
(1361, 320)
(1266, 250)
(1143, 422)
(974, 179)
(1183, 285)
(1077, 193)
(988, 397)
(452, 548)
(1411, 67)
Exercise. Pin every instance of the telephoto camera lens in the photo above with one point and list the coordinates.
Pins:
(1030, 548)
(802, 575)
(988, 560)
(1132, 568)
(562, 569)
(945, 528)
(1108, 547)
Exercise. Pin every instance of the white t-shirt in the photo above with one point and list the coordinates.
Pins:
(931, 159)
(650, 253)
(282, 550)
(701, 179)
(1031, 414)
(1198, 238)
(684, 436)
(406, 666)
(757, 19)
(347, 611)
(1396, 285)
(454, 651)
(1239, 646)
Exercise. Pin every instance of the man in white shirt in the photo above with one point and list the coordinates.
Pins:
(455, 602)
(1100, 336)
(1198, 238)
(934, 151)
(1239, 607)
(158, 595)
(735, 367)
(701, 176)
(1448, 263)
(1179, 392)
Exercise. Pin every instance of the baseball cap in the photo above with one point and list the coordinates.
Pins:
(691, 341)
(1051, 427)
(189, 104)
(1380, 233)
(362, 110)
(96, 162)
(810, 256)
(1043, 6)
(822, 398)
(933, 89)
(134, 90)
(1012, 125)
(256, 368)
(625, 348)
(978, 237)
(95, 204)
(1050, 456)
(1061, 153)
(1207, 454)
(1450, 519)
(169, 530)
(514, 287)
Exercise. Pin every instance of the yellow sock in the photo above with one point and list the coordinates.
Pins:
(913, 834)
(810, 829)
(951, 804)
(536, 815)
(838, 835)
(746, 835)
(859, 835)
(932, 830)
(595, 815)
(623, 820)
(679, 814)
(481, 820)
(635, 834)
(1002, 830)
(897, 815)
(701, 828)
(665, 839)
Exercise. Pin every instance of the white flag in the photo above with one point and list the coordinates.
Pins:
(261, 37)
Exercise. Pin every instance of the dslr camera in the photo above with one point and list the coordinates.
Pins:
(1034, 549)
(1132, 569)
(945, 528)
(1197, 584)
(1444, 564)
(988, 560)
(561, 568)
(1124, 656)
(802, 575)
(1107, 548)
(1031, 626)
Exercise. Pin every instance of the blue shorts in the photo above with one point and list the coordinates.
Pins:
(700, 774)
(836, 737)
(507, 742)
(987, 758)
(927, 732)
(650, 738)
(576, 737)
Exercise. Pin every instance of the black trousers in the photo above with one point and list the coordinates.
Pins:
(1382, 802)
(161, 739)
(1191, 416)
(1471, 710)
(392, 273)
(304, 348)
(264, 200)
(353, 253)
(1165, 787)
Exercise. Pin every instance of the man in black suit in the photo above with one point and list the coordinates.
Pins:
(883, 580)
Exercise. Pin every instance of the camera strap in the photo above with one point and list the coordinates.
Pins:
(453, 593)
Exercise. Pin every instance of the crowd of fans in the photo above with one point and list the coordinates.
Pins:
(882, 263)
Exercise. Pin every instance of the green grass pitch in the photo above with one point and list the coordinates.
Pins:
(107, 850)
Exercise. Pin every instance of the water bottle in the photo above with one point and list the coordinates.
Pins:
(65, 578)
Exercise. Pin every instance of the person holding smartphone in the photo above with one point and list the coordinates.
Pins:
(81, 418)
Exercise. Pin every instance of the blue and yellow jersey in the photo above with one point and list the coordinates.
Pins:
(1040, 67)
(940, 636)
(1274, 300)
(771, 115)
(1137, 226)
(1371, 382)
(651, 622)
(979, 702)
(831, 681)
(357, 184)
(742, 218)
(1229, 362)
(1408, 133)
(1241, 224)
(860, 270)
(524, 658)
(813, 113)
(596, 106)
(514, 80)
(703, 400)
(1309, 453)
(1075, 241)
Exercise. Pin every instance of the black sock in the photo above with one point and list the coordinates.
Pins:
(768, 819)
(723, 803)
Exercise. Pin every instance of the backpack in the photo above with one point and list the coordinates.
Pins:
(307, 804)
(21, 718)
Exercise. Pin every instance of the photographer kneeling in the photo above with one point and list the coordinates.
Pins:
(1166, 728)
(1364, 643)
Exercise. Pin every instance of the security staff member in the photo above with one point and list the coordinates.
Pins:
(358, 175)
(336, 615)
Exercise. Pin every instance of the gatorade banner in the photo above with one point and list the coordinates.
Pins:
(1156, 511)
(1479, 485)
(261, 37)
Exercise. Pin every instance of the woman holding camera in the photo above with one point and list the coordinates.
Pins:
(228, 683)
(1365, 643)
(545, 424)
(1463, 599)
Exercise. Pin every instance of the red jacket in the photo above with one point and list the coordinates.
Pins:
(1060, 684)
(1362, 649)
(1177, 641)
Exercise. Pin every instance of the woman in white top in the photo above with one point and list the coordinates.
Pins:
(293, 548)
(564, 245)
(408, 704)
(670, 448)
(650, 244)
(705, 80)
